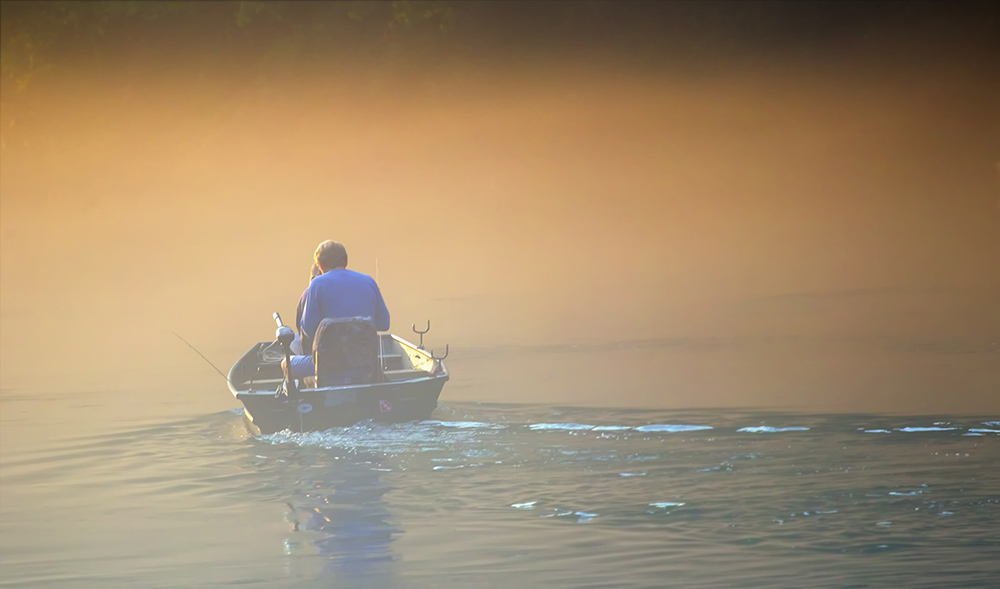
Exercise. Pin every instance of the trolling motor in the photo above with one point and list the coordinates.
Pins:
(285, 335)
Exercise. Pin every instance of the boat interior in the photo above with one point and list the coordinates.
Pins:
(260, 367)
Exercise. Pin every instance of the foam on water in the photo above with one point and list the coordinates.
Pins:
(374, 436)
(651, 427)
(464, 424)
(671, 428)
(413, 437)
(561, 426)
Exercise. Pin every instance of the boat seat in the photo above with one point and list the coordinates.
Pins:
(345, 351)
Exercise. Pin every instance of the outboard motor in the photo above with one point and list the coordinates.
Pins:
(346, 352)
(285, 336)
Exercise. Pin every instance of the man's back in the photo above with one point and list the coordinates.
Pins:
(343, 293)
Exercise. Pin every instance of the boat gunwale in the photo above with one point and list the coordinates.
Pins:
(442, 372)
(346, 387)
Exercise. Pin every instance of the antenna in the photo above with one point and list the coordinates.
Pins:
(381, 352)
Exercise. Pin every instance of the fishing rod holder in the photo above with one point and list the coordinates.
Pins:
(421, 346)
(439, 358)
(421, 333)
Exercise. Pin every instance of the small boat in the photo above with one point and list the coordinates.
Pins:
(404, 387)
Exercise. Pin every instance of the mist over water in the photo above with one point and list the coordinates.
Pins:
(557, 203)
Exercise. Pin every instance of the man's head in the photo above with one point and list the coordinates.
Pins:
(330, 255)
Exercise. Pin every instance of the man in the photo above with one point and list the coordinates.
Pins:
(337, 292)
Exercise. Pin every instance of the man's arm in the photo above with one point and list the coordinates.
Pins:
(312, 314)
(299, 310)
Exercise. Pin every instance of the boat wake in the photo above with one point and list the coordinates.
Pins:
(443, 435)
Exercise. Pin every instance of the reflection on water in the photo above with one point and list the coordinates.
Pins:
(512, 495)
(339, 502)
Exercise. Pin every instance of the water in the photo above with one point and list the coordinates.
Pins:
(491, 495)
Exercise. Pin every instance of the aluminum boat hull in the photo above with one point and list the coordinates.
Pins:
(408, 391)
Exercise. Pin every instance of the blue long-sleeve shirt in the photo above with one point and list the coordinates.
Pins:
(343, 293)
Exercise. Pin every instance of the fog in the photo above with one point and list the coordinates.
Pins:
(824, 236)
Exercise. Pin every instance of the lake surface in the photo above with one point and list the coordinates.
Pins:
(493, 495)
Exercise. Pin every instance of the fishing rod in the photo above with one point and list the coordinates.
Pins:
(202, 356)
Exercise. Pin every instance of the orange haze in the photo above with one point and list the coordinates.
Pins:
(546, 205)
